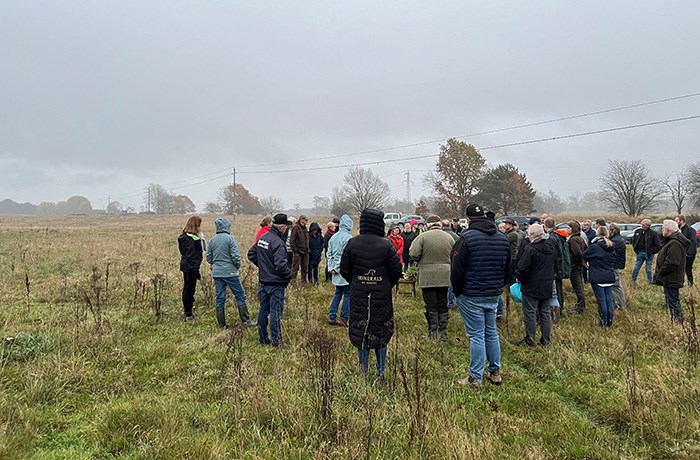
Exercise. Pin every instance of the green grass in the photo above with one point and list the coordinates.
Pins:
(140, 388)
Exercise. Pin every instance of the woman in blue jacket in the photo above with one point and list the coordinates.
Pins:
(600, 256)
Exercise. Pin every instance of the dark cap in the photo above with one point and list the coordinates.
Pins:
(281, 219)
(455, 219)
(534, 220)
(509, 221)
(335, 220)
(474, 210)
(490, 214)
(433, 218)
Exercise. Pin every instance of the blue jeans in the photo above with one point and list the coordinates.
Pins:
(344, 292)
(641, 258)
(234, 283)
(479, 316)
(272, 304)
(606, 307)
(363, 359)
(674, 304)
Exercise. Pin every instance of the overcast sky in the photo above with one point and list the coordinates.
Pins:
(101, 98)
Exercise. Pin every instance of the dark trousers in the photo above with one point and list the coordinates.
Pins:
(534, 309)
(577, 286)
(560, 292)
(436, 312)
(689, 268)
(313, 274)
(300, 261)
(188, 289)
(674, 303)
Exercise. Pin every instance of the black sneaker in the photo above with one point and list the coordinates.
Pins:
(525, 343)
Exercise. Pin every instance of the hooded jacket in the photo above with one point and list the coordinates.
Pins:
(269, 254)
(601, 261)
(315, 244)
(371, 265)
(191, 248)
(480, 260)
(336, 246)
(223, 255)
(670, 263)
(433, 251)
(537, 266)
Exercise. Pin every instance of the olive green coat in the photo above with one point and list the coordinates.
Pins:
(433, 251)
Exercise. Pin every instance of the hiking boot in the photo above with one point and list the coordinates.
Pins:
(250, 323)
(525, 343)
(495, 377)
(469, 381)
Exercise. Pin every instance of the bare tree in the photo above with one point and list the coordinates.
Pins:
(213, 208)
(363, 189)
(693, 184)
(629, 187)
(271, 205)
(678, 190)
(158, 199)
(322, 205)
(455, 180)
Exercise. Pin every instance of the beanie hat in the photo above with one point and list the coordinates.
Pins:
(474, 210)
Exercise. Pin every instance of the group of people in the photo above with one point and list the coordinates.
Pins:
(473, 266)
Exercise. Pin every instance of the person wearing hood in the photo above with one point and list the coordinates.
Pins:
(270, 256)
(225, 260)
(408, 235)
(371, 266)
(480, 269)
(600, 256)
(432, 251)
(191, 244)
(336, 246)
(537, 267)
(315, 250)
(670, 267)
(577, 244)
(299, 242)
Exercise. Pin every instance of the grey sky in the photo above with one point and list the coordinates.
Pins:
(102, 98)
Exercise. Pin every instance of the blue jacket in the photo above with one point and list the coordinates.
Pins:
(223, 254)
(269, 254)
(480, 260)
(315, 244)
(601, 260)
(336, 245)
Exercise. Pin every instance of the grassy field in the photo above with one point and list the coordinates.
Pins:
(89, 370)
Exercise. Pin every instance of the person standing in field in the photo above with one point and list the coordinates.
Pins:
(331, 228)
(600, 256)
(315, 250)
(397, 240)
(670, 268)
(645, 243)
(577, 244)
(191, 244)
(225, 260)
(299, 242)
(270, 256)
(408, 236)
(264, 227)
(620, 246)
(371, 266)
(691, 236)
(336, 246)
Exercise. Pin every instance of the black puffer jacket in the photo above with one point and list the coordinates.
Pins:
(371, 265)
(537, 266)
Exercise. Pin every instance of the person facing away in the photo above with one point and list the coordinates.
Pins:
(224, 257)
(336, 246)
(670, 267)
(315, 250)
(577, 244)
(432, 251)
(371, 266)
(645, 244)
(538, 264)
(600, 256)
(480, 269)
(269, 254)
(191, 244)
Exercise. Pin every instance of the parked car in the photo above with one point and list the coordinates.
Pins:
(390, 217)
(627, 231)
(408, 218)
(656, 228)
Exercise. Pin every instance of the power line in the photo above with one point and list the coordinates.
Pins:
(492, 147)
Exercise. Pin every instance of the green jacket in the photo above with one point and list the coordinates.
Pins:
(565, 266)
(433, 251)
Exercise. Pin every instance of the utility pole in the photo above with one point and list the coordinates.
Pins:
(408, 185)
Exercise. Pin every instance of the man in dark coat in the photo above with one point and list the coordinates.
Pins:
(645, 243)
(537, 267)
(299, 242)
(692, 238)
(480, 269)
(269, 254)
(620, 247)
(670, 267)
(371, 265)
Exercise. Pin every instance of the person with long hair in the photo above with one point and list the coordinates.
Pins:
(191, 244)
(577, 245)
(600, 256)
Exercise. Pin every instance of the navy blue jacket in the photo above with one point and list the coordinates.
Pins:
(316, 244)
(269, 254)
(480, 260)
(620, 252)
(601, 260)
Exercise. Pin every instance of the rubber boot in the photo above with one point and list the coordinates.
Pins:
(443, 317)
(245, 318)
(221, 317)
(432, 319)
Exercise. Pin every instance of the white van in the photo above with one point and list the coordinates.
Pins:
(389, 217)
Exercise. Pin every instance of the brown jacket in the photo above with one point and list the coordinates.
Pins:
(300, 240)
(670, 263)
